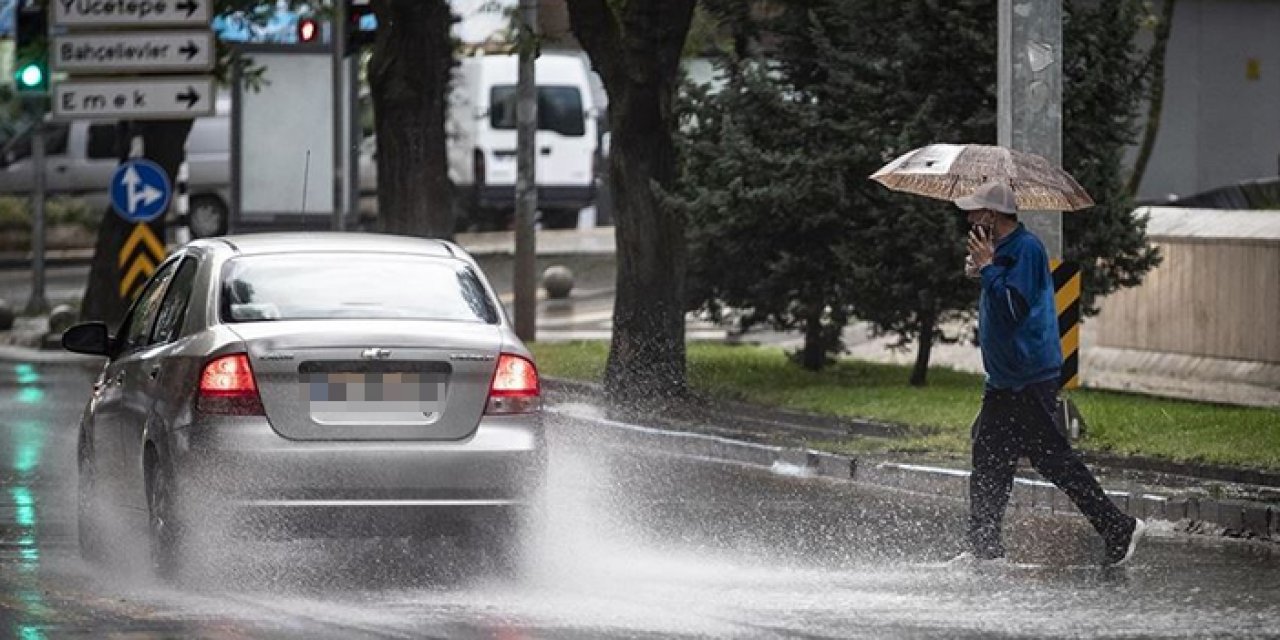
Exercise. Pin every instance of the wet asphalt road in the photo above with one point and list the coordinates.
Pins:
(636, 544)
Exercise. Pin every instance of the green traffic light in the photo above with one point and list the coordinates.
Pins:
(31, 76)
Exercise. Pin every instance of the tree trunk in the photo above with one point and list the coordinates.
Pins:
(164, 142)
(636, 48)
(920, 373)
(815, 354)
(647, 355)
(1155, 102)
(409, 82)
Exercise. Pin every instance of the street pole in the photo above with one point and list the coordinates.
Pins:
(525, 278)
(37, 303)
(1029, 105)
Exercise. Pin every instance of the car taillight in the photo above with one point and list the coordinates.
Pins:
(515, 386)
(227, 387)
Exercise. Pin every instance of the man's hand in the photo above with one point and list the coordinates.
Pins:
(981, 248)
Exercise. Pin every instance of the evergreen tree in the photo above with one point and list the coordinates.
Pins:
(766, 193)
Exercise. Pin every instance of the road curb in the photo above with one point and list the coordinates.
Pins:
(1189, 513)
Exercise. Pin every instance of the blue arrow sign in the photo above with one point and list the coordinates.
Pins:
(140, 190)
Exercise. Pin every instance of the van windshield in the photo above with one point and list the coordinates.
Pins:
(559, 109)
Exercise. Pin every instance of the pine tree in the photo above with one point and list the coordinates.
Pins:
(766, 192)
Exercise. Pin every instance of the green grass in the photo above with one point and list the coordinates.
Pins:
(939, 415)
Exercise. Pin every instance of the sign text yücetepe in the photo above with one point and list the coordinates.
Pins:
(135, 8)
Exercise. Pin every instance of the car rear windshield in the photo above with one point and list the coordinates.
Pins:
(321, 286)
(559, 109)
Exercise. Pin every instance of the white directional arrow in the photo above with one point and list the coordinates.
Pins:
(135, 196)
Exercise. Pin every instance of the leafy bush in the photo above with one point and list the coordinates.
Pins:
(15, 214)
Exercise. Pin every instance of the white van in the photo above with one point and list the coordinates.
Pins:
(81, 155)
(482, 138)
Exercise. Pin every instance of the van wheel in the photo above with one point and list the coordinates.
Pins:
(560, 219)
(208, 217)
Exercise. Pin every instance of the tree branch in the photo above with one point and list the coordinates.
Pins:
(596, 26)
(1155, 101)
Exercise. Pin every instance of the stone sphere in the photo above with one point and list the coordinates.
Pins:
(6, 315)
(61, 318)
(558, 281)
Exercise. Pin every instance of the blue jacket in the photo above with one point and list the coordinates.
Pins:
(1017, 320)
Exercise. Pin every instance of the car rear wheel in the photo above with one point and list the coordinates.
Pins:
(163, 527)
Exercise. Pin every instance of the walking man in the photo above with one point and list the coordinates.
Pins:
(1022, 356)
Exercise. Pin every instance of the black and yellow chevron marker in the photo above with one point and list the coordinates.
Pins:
(1066, 297)
(139, 256)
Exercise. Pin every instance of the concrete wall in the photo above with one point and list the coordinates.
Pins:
(1216, 295)
(1221, 114)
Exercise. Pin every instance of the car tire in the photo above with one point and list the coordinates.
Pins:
(207, 217)
(560, 218)
(163, 527)
(86, 507)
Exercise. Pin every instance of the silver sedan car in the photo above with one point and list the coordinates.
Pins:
(330, 384)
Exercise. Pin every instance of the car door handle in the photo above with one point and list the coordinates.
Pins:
(154, 373)
(62, 168)
(546, 151)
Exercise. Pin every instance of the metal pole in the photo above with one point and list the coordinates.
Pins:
(353, 135)
(525, 278)
(1029, 105)
(37, 303)
(337, 33)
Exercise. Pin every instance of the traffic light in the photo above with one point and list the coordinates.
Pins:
(31, 71)
(361, 26)
(308, 30)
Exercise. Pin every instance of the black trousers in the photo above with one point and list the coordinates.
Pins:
(1014, 424)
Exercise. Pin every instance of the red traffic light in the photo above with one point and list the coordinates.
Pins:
(308, 30)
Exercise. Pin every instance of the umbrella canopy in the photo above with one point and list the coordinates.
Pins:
(950, 171)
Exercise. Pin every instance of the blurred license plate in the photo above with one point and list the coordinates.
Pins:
(373, 396)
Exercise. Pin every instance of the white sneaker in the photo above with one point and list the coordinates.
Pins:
(1120, 552)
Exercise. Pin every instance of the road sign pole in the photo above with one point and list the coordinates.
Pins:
(38, 303)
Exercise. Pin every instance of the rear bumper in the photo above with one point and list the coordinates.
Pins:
(242, 470)
(549, 197)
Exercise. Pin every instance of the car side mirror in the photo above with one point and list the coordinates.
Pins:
(89, 337)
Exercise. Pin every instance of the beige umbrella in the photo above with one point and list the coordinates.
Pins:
(950, 171)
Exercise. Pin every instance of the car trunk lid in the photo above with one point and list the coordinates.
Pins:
(372, 379)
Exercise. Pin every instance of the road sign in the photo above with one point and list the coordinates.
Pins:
(138, 258)
(134, 52)
(131, 13)
(140, 190)
(143, 98)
